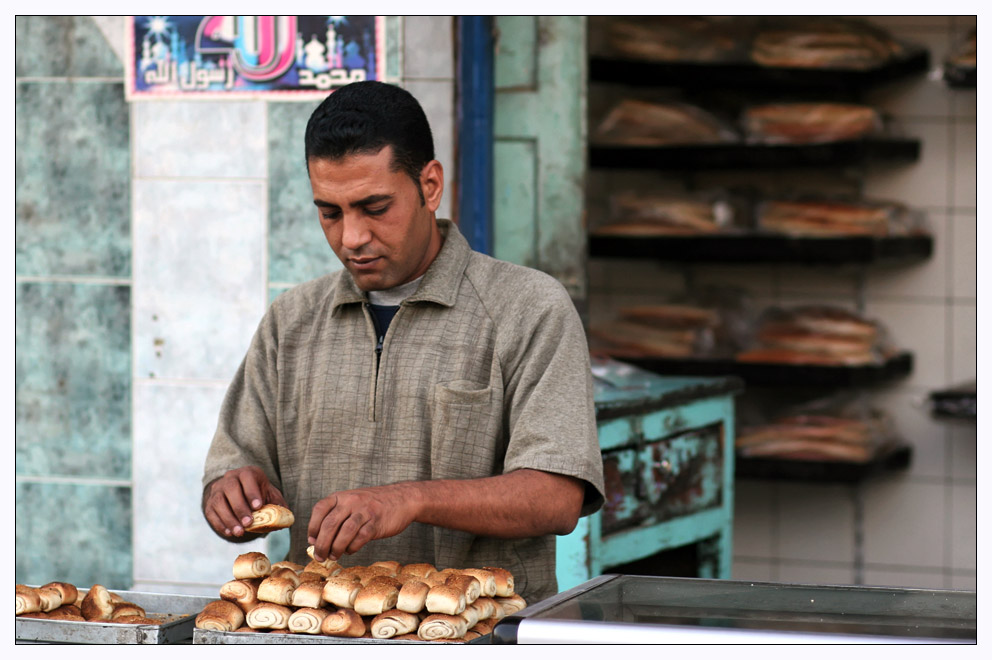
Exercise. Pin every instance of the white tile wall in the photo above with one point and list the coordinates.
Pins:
(888, 577)
(918, 327)
(965, 191)
(963, 443)
(751, 569)
(172, 541)
(966, 581)
(909, 408)
(922, 279)
(754, 519)
(201, 139)
(964, 342)
(199, 283)
(964, 263)
(803, 573)
(816, 521)
(964, 521)
(904, 523)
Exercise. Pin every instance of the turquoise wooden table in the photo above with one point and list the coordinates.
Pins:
(668, 463)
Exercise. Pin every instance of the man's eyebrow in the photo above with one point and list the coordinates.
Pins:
(365, 201)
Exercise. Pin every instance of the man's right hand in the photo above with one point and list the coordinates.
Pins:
(229, 500)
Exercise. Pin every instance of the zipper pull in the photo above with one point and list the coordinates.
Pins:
(378, 346)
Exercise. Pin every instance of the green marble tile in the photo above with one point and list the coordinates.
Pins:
(72, 393)
(63, 46)
(73, 533)
(298, 251)
(72, 179)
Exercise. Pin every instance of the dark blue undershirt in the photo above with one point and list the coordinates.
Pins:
(382, 316)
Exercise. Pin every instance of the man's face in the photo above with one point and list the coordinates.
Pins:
(373, 218)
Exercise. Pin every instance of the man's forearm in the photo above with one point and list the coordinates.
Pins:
(520, 504)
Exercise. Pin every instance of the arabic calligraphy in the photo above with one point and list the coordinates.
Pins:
(166, 73)
(333, 78)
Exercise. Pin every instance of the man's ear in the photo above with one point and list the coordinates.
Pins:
(432, 184)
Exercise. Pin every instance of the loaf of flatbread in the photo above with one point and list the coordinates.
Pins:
(269, 518)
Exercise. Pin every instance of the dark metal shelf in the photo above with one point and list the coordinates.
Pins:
(782, 375)
(750, 75)
(898, 457)
(961, 77)
(764, 248)
(960, 402)
(738, 155)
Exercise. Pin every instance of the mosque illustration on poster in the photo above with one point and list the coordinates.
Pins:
(249, 53)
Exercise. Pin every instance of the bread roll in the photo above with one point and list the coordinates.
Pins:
(435, 579)
(343, 623)
(68, 591)
(285, 573)
(392, 566)
(486, 606)
(35, 615)
(292, 565)
(137, 620)
(412, 637)
(421, 570)
(487, 580)
(244, 593)
(469, 585)
(307, 620)
(341, 591)
(319, 569)
(50, 598)
(503, 579)
(26, 601)
(328, 563)
(377, 597)
(269, 616)
(471, 615)
(442, 626)
(220, 615)
(394, 622)
(445, 599)
(270, 518)
(276, 590)
(309, 577)
(127, 609)
(308, 595)
(412, 596)
(251, 565)
(484, 627)
(97, 605)
(67, 613)
(512, 604)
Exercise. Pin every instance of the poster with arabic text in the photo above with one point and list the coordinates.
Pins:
(251, 56)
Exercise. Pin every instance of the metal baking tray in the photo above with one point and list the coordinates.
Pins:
(177, 611)
(201, 636)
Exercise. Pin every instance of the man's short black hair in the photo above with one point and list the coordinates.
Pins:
(364, 117)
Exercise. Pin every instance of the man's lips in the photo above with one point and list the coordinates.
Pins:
(364, 263)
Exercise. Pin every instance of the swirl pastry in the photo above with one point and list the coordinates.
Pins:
(377, 597)
(471, 615)
(307, 620)
(393, 567)
(412, 596)
(98, 604)
(270, 518)
(139, 620)
(394, 622)
(343, 623)
(512, 604)
(26, 600)
(276, 590)
(308, 595)
(309, 577)
(484, 627)
(292, 565)
(487, 607)
(67, 613)
(269, 615)
(504, 581)
(221, 616)
(341, 591)
(287, 574)
(442, 626)
(328, 563)
(445, 599)
(487, 581)
(244, 593)
(126, 609)
(50, 598)
(252, 565)
(467, 584)
(421, 570)
(68, 591)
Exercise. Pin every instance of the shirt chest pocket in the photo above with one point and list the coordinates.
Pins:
(466, 433)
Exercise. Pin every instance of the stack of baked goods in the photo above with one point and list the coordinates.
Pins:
(62, 601)
(696, 39)
(816, 335)
(635, 214)
(816, 438)
(832, 217)
(822, 42)
(809, 123)
(670, 330)
(385, 600)
(643, 123)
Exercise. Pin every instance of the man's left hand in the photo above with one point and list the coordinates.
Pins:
(345, 521)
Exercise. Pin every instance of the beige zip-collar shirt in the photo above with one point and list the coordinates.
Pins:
(484, 370)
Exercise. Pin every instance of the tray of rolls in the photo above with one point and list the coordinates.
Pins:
(58, 612)
(327, 603)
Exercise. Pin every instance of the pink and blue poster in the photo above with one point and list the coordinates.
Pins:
(254, 56)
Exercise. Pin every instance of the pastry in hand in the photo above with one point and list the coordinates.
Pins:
(220, 616)
(394, 622)
(252, 565)
(269, 518)
(307, 620)
(343, 623)
(98, 604)
(442, 626)
(269, 615)
(328, 563)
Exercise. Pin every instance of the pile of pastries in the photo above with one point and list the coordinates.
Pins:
(385, 600)
(62, 601)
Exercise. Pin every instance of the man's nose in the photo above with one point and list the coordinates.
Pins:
(355, 233)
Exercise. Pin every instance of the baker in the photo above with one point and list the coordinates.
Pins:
(428, 403)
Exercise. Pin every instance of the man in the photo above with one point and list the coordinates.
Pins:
(426, 404)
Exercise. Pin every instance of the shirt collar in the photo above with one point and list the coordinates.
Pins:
(440, 282)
